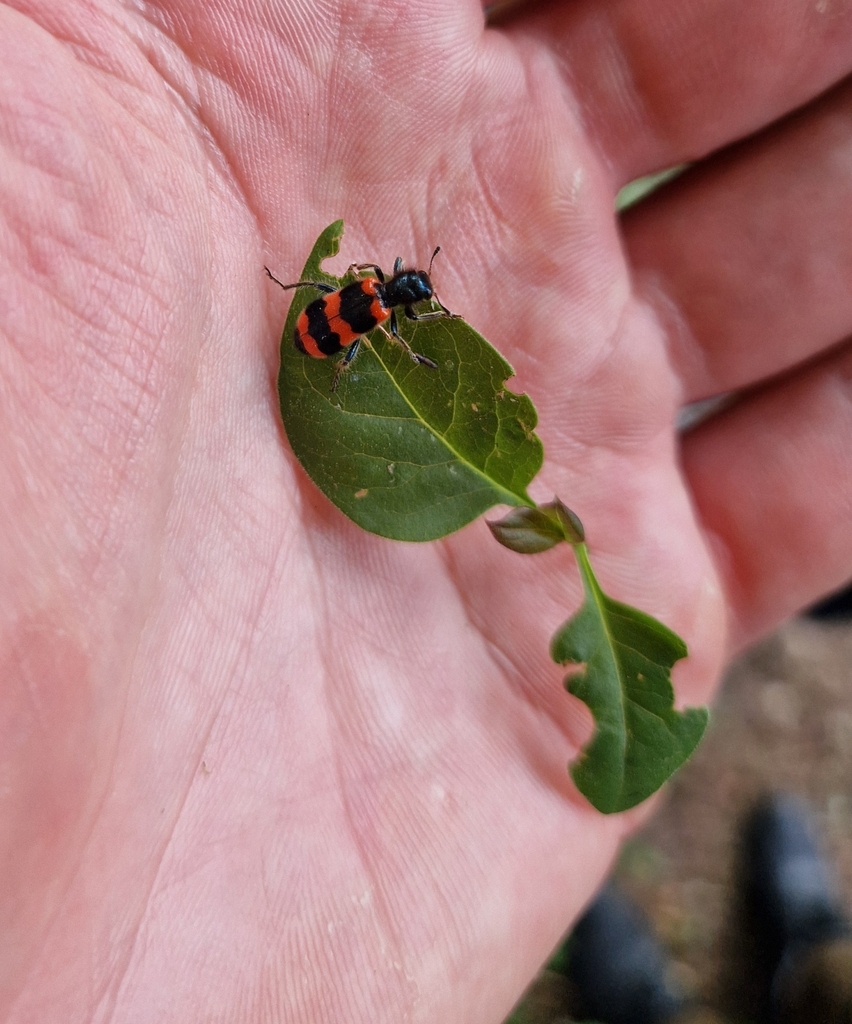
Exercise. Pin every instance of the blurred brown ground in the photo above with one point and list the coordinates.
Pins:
(782, 721)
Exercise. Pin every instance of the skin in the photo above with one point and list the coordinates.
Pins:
(259, 766)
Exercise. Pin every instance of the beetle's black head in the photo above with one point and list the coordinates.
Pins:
(408, 287)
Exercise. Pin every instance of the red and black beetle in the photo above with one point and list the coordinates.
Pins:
(339, 319)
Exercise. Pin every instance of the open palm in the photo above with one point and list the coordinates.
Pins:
(256, 765)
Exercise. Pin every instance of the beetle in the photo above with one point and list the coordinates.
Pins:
(342, 316)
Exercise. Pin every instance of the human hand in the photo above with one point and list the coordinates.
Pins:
(258, 765)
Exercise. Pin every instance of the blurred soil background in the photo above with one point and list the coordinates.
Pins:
(782, 721)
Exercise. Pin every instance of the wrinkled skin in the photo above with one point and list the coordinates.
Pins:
(256, 765)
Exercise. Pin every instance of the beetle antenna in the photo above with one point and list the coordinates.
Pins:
(434, 254)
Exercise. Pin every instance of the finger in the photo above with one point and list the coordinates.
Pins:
(772, 482)
(748, 260)
(660, 82)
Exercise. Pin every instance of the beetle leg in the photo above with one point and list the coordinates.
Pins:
(394, 335)
(433, 314)
(358, 268)
(327, 288)
(343, 364)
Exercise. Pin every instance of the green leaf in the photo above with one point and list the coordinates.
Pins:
(532, 530)
(635, 191)
(405, 451)
(569, 522)
(527, 531)
(640, 740)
